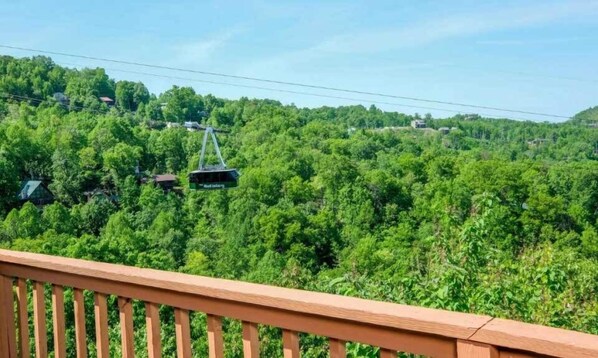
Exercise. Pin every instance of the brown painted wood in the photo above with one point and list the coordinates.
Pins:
(4, 345)
(58, 321)
(80, 333)
(338, 349)
(537, 339)
(183, 333)
(22, 318)
(125, 309)
(323, 325)
(152, 326)
(385, 353)
(290, 344)
(39, 320)
(518, 354)
(468, 349)
(8, 340)
(215, 339)
(101, 318)
(390, 326)
(251, 340)
(403, 317)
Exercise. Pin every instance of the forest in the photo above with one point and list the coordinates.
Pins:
(493, 216)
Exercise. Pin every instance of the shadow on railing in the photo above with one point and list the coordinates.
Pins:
(392, 327)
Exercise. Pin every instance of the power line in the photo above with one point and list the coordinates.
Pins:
(296, 92)
(285, 82)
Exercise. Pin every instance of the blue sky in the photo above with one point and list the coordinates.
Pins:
(539, 56)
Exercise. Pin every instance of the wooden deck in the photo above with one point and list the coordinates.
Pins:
(392, 327)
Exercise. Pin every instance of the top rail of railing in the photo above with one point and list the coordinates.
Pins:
(388, 325)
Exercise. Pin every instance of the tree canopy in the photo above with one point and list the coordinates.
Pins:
(496, 217)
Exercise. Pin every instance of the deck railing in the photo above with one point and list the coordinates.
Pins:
(392, 327)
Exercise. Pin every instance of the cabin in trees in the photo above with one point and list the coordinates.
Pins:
(418, 124)
(172, 125)
(536, 142)
(192, 126)
(61, 98)
(165, 181)
(109, 101)
(35, 191)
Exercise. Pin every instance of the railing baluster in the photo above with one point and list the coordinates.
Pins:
(80, 334)
(58, 321)
(23, 318)
(215, 341)
(290, 342)
(101, 317)
(337, 348)
(386, 353)
(7, 308)
(39, 320)
(183, 333)
(126, 327)
(468, 349)
(251, 340)
(152, 326)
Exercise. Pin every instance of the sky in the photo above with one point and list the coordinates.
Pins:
(534, 56)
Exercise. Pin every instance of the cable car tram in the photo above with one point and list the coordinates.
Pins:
(212, 177)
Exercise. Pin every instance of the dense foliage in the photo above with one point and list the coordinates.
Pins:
(483, 219)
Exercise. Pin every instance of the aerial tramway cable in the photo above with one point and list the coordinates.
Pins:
(320, 87)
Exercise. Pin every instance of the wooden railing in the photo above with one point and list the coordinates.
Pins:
(392, 327)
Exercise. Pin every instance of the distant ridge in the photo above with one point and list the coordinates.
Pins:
(587, 116)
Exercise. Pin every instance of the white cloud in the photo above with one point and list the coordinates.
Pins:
(527, 42)
(199, 51)
(475, 23)
(430, 30)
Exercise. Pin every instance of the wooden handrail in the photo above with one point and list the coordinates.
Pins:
(393, 327)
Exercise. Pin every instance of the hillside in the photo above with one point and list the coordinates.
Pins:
(588, 116)
(495, 217)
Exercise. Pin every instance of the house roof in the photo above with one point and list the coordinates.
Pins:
(28, 187)
(164, 177)
(106, 99)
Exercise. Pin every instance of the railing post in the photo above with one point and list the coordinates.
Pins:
(101, 318)
(8, 336)
(251, 341)
(215, 340)
(290, 342)
(39, 320)
(125, 308)
(469, 349)
(182, 332)
(80, 334)
(337, 348)
(152, 324)
(58, 321)
(23, 318)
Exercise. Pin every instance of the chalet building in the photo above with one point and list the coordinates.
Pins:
(61, 98)
(109, 101)
(172, 125)
(165, 181)
(418, 124)
(536, 142)
(192, 126)
(36, 192)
